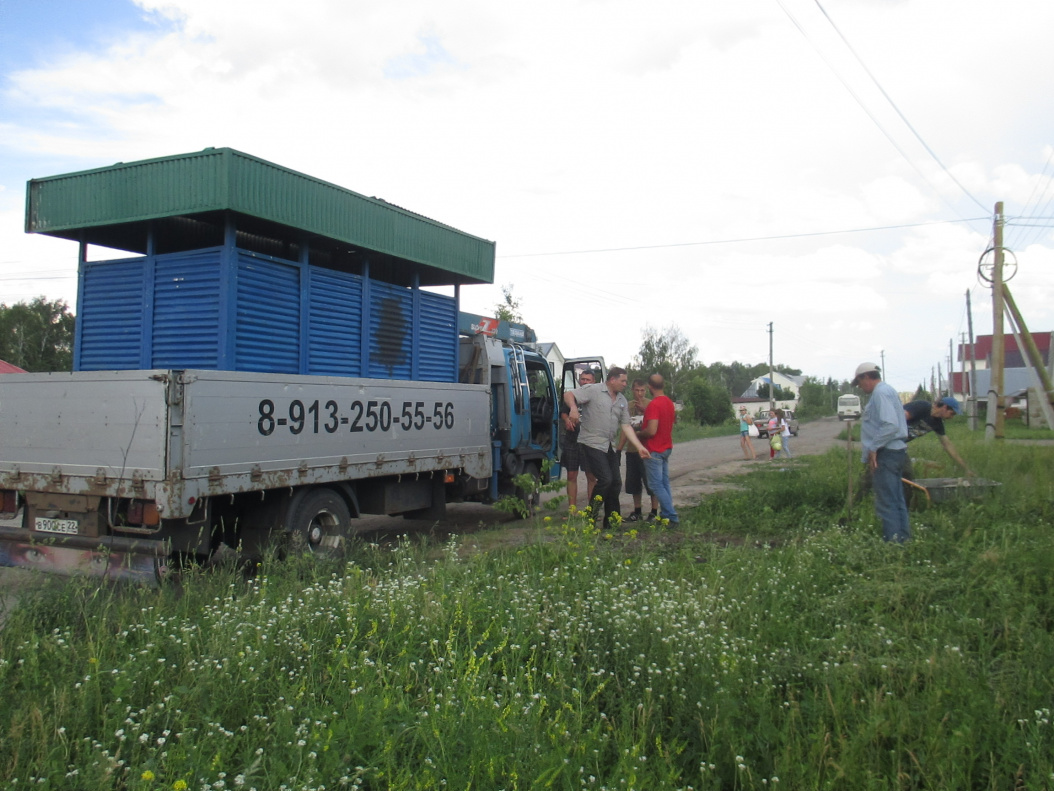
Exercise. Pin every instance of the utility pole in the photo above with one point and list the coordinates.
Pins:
(940, 383)
(972, 409)
(882, 355)
(772, 374)
(951, 368)
(962, 364)
(995, 418)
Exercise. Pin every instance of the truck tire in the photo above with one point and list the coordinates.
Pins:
(322, 521)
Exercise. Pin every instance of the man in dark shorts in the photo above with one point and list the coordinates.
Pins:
(636, 476)
(570, 455)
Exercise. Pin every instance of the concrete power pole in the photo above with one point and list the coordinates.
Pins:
(995, 418)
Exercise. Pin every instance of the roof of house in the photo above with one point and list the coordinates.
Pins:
(1014, 357)
(7, 368)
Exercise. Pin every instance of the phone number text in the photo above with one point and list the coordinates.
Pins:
(317, 417)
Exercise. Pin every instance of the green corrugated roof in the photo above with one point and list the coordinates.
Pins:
(111, 206)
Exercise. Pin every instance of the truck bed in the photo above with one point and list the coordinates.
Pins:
(178, 436)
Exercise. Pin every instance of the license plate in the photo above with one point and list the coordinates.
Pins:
(67, 526)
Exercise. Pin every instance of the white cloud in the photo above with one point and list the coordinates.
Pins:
(575, 126)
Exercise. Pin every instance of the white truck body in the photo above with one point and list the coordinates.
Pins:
(176, 437)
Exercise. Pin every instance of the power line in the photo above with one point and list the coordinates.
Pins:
(745, 239)
(896, 109)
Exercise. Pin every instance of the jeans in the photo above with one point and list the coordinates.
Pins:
(606, 467)
(889, 495)
(786, 446)
(658, 467)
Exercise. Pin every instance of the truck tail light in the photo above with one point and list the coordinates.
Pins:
(143, 512)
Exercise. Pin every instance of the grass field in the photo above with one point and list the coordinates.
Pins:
(770, 643)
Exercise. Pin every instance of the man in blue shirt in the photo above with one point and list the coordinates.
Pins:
(883, 435)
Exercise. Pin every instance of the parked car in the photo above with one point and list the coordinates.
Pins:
(762, 422)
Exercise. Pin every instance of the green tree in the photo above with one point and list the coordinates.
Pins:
(667, 352)
(781, 394)
(509, 307)
(816, 399)
(922, 394)
(37, 336)
(708, 403)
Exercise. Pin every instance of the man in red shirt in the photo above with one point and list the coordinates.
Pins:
(657, 435)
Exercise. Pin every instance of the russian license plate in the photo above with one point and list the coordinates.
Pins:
(67, 526)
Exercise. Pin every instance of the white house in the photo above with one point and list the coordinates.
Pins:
(552, 354)
(784, 381)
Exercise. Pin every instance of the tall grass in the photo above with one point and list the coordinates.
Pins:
(796, 652)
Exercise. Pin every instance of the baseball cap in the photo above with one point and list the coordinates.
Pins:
(952, 404)
(865, 368)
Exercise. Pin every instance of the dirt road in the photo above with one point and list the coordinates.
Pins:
(697, 468)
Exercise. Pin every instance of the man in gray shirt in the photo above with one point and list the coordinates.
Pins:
(604, 413)
(883, 435)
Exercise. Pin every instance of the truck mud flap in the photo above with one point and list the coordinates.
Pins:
(125, 560)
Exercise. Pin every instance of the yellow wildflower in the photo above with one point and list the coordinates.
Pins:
(147, 775)
(179, 785)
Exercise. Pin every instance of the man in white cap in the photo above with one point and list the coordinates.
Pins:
(883, 435)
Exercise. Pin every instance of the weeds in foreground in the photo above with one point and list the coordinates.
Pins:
(598, 659)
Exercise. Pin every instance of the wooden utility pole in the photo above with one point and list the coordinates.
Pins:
(772, 374)
(951, 368)
(1027, 345)
(995, 418)
(972, 410)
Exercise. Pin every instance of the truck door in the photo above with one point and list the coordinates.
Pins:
(575, 366)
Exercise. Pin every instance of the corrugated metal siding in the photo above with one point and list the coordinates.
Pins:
(436, 349)
(186, 326)
(218, 179)
(111, 316)
(391, 330)
(335, 320)
(179, 311)
(267, 324)
(128, 192)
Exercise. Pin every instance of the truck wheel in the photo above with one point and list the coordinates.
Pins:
(322, 521)
(533, 499)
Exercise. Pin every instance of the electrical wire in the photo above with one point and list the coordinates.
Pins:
(868, 112)
(896, 109)
(744, 239)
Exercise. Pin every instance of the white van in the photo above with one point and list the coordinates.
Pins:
(849, 407)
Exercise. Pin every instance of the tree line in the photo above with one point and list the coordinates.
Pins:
(707, 390)
(38, 335)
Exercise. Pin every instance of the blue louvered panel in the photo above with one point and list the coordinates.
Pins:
(391, 330)
(335, 323)
(267, 325)
(186, 328)
(111, 315)
(437, 346)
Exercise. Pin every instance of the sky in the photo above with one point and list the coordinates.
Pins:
(827, 168)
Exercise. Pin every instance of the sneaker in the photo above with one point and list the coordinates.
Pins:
(652, 516)
(634, 517)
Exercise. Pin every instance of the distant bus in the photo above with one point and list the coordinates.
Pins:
(849, 407)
